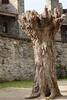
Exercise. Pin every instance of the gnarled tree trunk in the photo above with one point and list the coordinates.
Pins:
(42, 29)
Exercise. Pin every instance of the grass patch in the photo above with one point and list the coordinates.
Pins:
(17, 84)
(60, 79)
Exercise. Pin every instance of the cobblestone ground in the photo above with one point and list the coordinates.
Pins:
(21, 93)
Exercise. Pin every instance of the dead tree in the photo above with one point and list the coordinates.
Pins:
(42, 29)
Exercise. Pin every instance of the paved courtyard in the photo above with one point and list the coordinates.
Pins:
(21, 93)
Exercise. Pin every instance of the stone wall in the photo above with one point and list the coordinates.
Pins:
(12, 7)
(16, 59)
(16, 55)
(11, 24)
(61, 59)
(61, 55)
(51, 4)
(20, 6)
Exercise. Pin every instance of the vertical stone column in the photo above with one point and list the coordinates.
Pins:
(20, 6)
(51, 4)
(20, 11)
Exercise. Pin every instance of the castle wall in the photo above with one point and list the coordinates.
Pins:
(61, 59)
(51, 4)
(11, 25)
(12, 7)
(20, 6)
(61, 54)
(16, 59)
(16, 54)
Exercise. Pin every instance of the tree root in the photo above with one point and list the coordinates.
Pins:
(35, 95)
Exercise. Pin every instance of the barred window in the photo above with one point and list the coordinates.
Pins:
(5, 1)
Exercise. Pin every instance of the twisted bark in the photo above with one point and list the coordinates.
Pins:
(42, 29)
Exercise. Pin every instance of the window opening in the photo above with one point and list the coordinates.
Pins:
(4, 28)
(5, 1)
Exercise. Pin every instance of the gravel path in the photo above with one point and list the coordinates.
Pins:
(21, 93)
